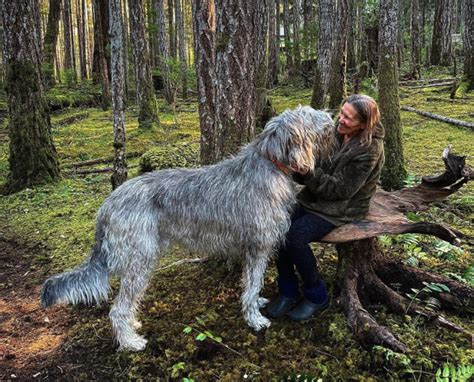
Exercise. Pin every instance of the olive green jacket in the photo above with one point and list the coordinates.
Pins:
(339, 190)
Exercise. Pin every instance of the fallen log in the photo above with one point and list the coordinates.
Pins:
(101, 160)
(441, 99)
(436, 85)
(451, 121)
(427, 81)
(365, 274)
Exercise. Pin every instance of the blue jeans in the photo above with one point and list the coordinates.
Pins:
(296, 253)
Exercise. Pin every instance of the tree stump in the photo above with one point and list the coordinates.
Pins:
(365, 273)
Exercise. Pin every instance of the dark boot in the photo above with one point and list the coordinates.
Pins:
(286, 300)
(315, 300)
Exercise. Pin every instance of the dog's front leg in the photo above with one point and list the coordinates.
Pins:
(252, 282)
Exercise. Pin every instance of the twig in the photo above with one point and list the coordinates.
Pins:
(184, 261)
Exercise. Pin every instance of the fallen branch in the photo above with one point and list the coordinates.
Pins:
(441, 99)
(451, 121)
(185, 261)
(101, 160)
(95, 171)
(427, 81)
(431, 85)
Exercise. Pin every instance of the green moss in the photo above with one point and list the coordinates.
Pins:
(169, 156)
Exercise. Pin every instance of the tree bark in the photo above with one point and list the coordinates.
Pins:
(204, 24)
(50, 41)
(415, 40)
(33, 158)
(147, 112)
(80, 17)
(69, 57)
(297, 11)
(273, 45)
(168, 90)
(323, 64)
(286, 30)
(118, 74)
(394, 171)
(235, 66)
(181, 47)
(441, 53)
(337, 79)
(171, 31)
(468, 39)
(100, 65)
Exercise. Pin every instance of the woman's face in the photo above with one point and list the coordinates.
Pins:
(349, 121)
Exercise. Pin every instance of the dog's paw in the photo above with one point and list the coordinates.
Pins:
(262, 302)
(260, 323)
(137, 343)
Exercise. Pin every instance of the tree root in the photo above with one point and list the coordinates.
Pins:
(365, 275)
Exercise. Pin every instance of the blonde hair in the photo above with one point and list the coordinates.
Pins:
(368, 112)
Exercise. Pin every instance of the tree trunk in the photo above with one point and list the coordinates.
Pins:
(69, 63)
(273, 47)
(323, 64)
(100, 65)
(286, 30)
(394, 171)
(118, 73)
(296, 35)
(337, 79)
(352, 36)
(442, 28)
(147, 112)
(415, 40)
(81, 11)
(262, 102)
(204, 24)
(468, 39)
(181, 46)
(168, 90)
(235, 67)
(308, 20)
(33, 158)
(50, 40)
(171, 31)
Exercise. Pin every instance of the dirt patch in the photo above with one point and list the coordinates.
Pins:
(29, 337)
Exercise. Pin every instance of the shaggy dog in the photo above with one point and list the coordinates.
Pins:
(238, 207)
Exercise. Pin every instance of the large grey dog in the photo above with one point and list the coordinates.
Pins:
(240, 206)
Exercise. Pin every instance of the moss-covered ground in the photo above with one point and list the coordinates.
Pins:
(191, 312)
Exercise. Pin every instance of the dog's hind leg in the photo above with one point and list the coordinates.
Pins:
(255, 265)
(133, 281)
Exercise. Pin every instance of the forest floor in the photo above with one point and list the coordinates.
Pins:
(191, 312)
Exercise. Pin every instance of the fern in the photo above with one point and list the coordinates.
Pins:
(450, 373)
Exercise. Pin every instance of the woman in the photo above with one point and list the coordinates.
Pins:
(336, 192)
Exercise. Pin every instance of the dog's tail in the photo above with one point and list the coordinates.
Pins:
(88, 283)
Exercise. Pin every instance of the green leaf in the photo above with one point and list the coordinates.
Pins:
(201, 337)
(187, 329)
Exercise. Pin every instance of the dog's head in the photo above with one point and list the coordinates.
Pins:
(297, 138)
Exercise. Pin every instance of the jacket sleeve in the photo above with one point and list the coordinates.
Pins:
(345, 181)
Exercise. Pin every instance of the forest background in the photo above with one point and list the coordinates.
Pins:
(95, 92)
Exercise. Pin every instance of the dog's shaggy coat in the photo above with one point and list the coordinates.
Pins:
(238, 207)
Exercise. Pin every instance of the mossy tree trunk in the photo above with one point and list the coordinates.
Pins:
(50, 40)
(69, 51)
(100, 61)
(118, 85)
(33, 158)
(204, 25)
(147, 110)
(394, 171)
(164, 54)
(323, 63)
(415, 40)
(235, 68)
(468, 39)
(171, 31)
(181, 47)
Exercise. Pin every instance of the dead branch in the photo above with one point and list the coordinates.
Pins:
(451, 121)
(101, 160)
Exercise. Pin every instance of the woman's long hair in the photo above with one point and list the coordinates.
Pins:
(368, 112)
